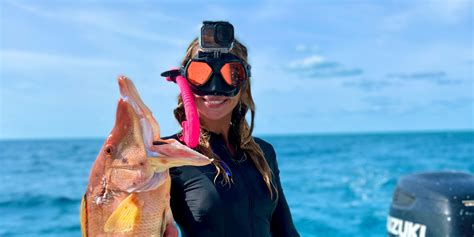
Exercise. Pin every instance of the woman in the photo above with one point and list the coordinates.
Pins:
(240, 193)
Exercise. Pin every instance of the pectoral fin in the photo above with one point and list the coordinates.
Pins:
(174, 154)
(162, 163)
(125, 217)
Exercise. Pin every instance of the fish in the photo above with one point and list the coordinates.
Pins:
(128, 193)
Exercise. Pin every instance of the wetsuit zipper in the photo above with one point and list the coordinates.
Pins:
(247, 184)
(244, 175)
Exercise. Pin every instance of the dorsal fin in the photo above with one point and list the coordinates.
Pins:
(84, 216)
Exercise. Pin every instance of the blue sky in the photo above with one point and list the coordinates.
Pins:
(317, 66)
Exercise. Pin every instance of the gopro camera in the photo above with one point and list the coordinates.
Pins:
(216, 36)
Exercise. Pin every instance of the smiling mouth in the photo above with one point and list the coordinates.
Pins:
(214, 100)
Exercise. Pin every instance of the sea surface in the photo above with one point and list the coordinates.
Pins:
(336, 185)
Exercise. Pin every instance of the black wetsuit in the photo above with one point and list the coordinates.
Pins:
(204, 208)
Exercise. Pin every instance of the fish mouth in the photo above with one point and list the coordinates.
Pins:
(150, 129)
(162, 154)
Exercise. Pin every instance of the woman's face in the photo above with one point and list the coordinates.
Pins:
(216, 107)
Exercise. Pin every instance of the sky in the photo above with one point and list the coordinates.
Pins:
(317, 66)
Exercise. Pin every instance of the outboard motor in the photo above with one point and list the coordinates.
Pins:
(433, 204)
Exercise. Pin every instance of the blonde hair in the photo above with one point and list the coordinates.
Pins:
(240, 132)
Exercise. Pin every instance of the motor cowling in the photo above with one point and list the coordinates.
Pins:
(433, 204)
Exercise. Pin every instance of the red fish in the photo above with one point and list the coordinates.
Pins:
(129, 185)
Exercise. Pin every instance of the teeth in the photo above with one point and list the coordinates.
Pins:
(215, 102)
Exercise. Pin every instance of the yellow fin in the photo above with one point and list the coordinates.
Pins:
(125, 217)
(84, 216)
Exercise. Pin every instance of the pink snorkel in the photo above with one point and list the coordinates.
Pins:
(191, 126)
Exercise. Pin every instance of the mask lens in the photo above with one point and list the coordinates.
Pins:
(198, 73)
(233, 73)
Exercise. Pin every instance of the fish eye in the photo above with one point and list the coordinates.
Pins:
(108, 149)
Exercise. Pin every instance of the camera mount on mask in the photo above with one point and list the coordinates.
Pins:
(216, 37)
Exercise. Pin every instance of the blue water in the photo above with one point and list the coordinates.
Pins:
(336, 185)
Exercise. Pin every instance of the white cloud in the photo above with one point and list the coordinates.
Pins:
(397, 22)
(307, 48)
(450, 10)
(306, 63)
(270, 11)
(317, 66)
(19, 59)
(368, 85)
(441, 11)
(116, 22)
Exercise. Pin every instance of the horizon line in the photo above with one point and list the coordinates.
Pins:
(297, 134)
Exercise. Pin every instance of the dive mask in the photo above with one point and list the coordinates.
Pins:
(209, 75)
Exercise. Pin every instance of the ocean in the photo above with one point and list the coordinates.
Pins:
(335, 185)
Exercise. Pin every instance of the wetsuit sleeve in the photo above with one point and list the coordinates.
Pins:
(282, 222)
